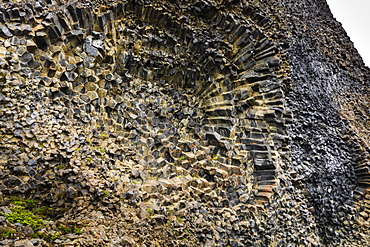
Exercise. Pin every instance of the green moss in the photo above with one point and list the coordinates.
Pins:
(23, 216)
(39, 211)
(29, 212)
(27, 203)
(181, 158)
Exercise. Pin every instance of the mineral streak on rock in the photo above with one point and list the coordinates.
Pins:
(185, 123)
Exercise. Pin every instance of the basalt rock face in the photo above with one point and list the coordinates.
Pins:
(185, 123)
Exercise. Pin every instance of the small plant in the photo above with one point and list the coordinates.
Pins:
(181, 158)
(77, 230)
(64, 229)
(89, 141)
(103, 135)
(105, 193)
(102, 150)
(59, 167)
(78, 149)
(215, 158)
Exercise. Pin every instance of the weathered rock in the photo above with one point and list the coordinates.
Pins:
(193, 123)
(23, 243)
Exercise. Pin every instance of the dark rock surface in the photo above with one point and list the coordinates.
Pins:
(185, 123)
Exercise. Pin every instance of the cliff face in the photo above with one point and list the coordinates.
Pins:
(184, 123)
(329, 100)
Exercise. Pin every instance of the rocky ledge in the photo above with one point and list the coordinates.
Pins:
(186, 123)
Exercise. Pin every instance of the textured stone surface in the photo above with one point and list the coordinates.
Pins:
(187, 123)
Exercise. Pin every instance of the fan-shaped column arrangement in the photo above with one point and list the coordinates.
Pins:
(227, 67)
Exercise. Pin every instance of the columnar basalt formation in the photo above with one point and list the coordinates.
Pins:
(186, 123)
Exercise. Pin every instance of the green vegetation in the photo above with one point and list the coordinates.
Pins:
(181, 158)
(69, 228)
(22, 215)
(105, 193)
(47, 237)
(7, 232)
(26, 203)
(43, 210)
(179, 219)
(29, 212)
